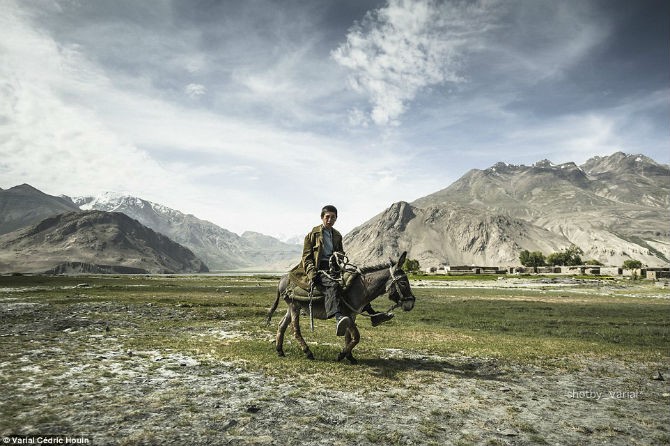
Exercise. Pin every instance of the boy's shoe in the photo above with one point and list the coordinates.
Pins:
(380, 318)
(343, 322)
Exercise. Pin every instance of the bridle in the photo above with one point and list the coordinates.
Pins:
(402, 298)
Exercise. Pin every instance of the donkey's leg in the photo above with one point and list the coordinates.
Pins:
(351, 339)
(295, 318)
(347, 341)
(354, 342)
(279, 342)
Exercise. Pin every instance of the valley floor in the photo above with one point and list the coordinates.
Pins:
(172, 363)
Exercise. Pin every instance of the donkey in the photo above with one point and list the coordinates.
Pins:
(364, 286)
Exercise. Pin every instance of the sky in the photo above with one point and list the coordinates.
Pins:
(254, 114)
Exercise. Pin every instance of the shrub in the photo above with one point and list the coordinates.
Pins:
(534, 259)
(569, 257)
(632, 264)
(411, 266)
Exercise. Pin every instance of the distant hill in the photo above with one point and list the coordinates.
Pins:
(94, 241)
(269, 251)
(614, 208)
(219, 248)
(24, 205)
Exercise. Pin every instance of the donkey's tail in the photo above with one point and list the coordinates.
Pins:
(275, 304)
(272, 309)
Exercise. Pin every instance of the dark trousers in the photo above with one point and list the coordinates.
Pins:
(331, 291)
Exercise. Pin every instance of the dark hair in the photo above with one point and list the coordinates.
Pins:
(328, 208)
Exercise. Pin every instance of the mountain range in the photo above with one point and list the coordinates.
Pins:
(25, 207)
(219, 248)
(94, 241)
(614, 208)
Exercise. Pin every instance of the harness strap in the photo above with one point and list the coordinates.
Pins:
(311, 315)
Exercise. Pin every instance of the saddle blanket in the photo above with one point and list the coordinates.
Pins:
(301, 294)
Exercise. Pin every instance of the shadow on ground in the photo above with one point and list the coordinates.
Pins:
(391, 367)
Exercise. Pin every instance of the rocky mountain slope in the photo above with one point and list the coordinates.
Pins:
(614, 208)
(24, 205)
(454, 235)
(93, 241)
(219, 248)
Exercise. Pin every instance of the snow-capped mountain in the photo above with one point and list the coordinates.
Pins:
(219, 248)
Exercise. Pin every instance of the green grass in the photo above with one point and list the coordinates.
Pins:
(614, 325)
(184, 315)
(454, 277)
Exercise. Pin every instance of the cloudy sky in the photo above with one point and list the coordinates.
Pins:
(253, 114)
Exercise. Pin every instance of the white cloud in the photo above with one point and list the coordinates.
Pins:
(408, 45)
(358, 118)
(69, 126)
(194, 91)
(569, 138)
(48, 138)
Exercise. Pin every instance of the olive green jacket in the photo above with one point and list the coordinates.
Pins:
(304, 272)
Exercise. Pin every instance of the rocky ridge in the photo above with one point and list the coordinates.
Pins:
(614, 208)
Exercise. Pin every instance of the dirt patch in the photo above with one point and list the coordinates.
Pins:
(153, 397)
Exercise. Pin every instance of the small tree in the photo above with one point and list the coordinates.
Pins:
(571, 256)
(411, 266)
(534, 259)
(632, 264)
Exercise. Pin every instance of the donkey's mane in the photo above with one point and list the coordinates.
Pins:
(377, 267)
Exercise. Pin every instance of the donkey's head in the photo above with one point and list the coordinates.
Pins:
(397, 286)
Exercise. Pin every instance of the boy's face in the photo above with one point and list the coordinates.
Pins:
(328, 219)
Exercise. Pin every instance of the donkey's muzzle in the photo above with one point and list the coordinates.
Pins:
(408, 303)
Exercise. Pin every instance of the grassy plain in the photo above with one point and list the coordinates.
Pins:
(96, 335)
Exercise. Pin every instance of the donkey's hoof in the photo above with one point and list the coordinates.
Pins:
(341, 356)
(351, 359)
(281, 353)
(309, 355)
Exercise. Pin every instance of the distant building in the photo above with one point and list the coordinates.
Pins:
(658, 273)
(592, 270)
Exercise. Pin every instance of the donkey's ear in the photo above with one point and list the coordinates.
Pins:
(401, 260)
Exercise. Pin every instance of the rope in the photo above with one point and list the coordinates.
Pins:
(393, 307)
(343, 264)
